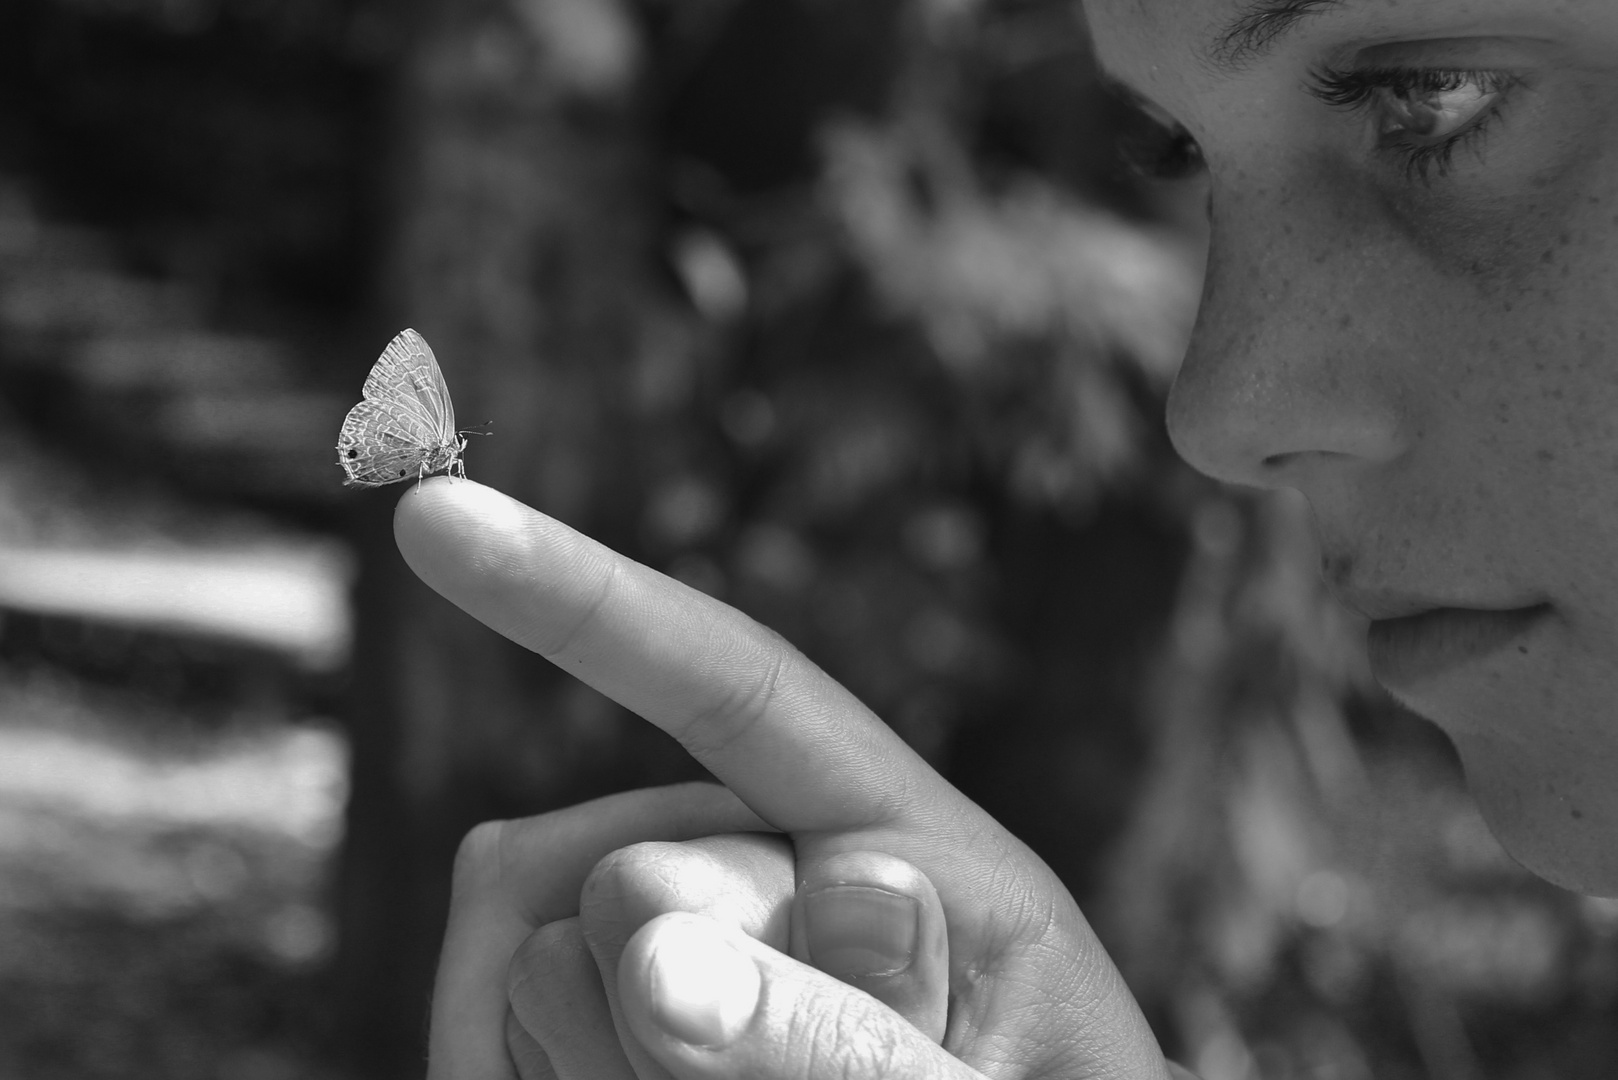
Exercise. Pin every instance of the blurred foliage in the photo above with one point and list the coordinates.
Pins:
(845, 311)
(1307, 891)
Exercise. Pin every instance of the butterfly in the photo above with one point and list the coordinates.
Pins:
(405, 426)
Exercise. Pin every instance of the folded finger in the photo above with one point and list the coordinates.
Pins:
(527, 1056)
(513, 877)
(712, 1004)
(557, 998)
(744, 881)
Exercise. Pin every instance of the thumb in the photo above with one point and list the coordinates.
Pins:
(710, 1003)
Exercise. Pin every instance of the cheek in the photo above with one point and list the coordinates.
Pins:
(1534, 389)
(1503, 213)
(1513, 338)
(1510, 252)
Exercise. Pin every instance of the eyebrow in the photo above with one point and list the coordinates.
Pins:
(1260, 26)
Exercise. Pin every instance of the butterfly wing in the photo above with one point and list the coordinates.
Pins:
(406, 425)
(407, 375)
(381, 443)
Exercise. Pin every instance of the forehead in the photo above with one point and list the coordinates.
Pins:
(1149, 42)
(1136, 18)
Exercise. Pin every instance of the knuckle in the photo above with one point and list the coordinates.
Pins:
(547, 951)
(630, 885)
(744, 705)
(545, 945)
(640, 869)
(547, 977)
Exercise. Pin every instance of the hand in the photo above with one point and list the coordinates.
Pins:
(513, 877)
(874, 920)
(1033, 992)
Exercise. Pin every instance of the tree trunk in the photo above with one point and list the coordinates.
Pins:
(524, 262)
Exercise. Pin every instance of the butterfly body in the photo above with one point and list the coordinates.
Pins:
(405, 426)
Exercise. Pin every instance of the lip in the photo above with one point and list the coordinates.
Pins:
(1414, 649)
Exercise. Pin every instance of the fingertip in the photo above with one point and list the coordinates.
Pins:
(689, 980)
(468, 542)
(522, 573)
(440, 516)
(707, 1001)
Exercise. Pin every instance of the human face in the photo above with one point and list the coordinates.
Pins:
(1411, 316)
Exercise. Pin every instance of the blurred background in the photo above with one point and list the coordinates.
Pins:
(858, 314)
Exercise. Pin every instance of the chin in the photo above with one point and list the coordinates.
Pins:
(1555, 816)
(1561, 864)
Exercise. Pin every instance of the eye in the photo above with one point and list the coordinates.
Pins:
(1421, 115)
(1151, 143)
(1433, 112)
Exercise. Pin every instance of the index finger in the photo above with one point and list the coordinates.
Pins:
(797, 747)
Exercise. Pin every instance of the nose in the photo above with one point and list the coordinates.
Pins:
(1288, 374)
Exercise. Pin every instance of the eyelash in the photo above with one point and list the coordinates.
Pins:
(1356, 90)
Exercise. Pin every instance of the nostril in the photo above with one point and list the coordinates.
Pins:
(1290, 459)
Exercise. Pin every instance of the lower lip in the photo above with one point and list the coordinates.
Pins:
(1417, 648)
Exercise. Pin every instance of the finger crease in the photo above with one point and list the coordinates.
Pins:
(609, 585)
(731, 722)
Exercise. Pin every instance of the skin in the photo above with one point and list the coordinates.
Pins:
(1431, 362)
(1424, 354)
(1028, 988)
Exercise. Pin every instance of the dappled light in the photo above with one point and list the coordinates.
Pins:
(848, 313)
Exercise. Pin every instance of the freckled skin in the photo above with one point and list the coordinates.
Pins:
(1433, 363)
